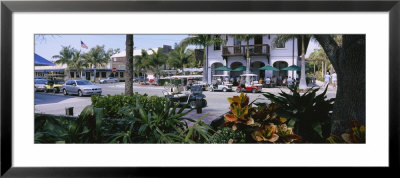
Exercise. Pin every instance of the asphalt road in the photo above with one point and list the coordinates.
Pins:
(217, 103)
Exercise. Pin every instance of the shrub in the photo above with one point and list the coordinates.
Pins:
(259, 124)
(308, 113)
(227, 135)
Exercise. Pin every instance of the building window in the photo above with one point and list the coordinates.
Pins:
(72, 74)
(121, 74)
(97, 74)
(280, 45)
(103, 75)
(237, 42)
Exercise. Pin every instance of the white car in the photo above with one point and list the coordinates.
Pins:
(40, 84)
(109, 80)
(80, 87)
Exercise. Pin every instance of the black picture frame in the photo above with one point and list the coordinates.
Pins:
(8, 7)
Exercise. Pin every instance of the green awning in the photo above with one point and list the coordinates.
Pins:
(223, 68)
(292, 67)
(268, 67)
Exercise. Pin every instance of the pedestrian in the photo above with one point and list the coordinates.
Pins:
(326, 79)
(314, 78)
(289, 82)
(334, 79)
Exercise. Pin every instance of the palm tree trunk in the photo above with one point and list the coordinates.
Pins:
(303, 83)
(205, 65)
(129, 66)
(247, 62)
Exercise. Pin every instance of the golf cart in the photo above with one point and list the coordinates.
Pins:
(178, 95)
(253, 86)
(53, 86)
(219, 84)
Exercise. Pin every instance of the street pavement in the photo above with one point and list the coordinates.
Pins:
(217, 103)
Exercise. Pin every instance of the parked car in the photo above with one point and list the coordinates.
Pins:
(80, 87)
(109, 80)
(40, 84)
(140, 79)
(53, 86)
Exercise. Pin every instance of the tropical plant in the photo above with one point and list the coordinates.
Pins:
(65, 55)
(77, 63)
(156, 60)
(308, 113)
(303, 47)
(319, 57)
(356, 134)
(84, 129)
(227, 135)
(179, 57)
(142, 62)
(97, 56)
(203, 40)
(260, 124)
(199, 132)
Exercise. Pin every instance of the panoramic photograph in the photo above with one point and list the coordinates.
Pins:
(200, 88)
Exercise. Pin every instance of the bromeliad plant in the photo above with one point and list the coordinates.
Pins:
(308, 113)
(259, 123)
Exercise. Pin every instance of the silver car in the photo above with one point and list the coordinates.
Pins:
(80, 87)
(40, 84)
(109, 80)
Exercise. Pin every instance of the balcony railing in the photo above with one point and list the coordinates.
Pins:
(240, 50)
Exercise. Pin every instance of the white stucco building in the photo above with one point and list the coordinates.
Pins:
(262, 52)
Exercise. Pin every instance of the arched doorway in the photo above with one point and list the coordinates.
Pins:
(236, 74)
(216, 72)
(281, 74)
(255, 66)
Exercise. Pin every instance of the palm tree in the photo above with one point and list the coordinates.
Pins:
(129, 65)
(302, 48)
(203, 41)
(319, 56)
(246, 38)
(97, 56)
(141, 62)
(77, 62)
(179, 57)
(156, 60)
(65, 56)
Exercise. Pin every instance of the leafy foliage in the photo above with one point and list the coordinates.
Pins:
(309, 113)
(260, 123)
(227, 135)
(356, 134)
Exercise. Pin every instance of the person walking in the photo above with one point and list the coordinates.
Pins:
(314, 78)
(289, 82)
(334, 79)
(326, 79)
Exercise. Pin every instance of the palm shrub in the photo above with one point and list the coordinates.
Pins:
(161, 124)
(309, 113)
(84, 129)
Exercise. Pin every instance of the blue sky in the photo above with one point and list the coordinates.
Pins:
(50, 45)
